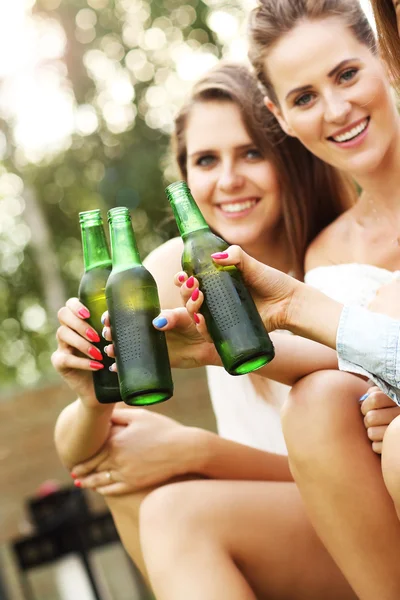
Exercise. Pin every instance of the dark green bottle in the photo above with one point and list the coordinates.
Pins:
(141, 351)
(231, 316)
(92, 293)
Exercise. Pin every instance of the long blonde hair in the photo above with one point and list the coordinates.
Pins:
(312, 193)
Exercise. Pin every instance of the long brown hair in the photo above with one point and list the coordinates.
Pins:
(388, 36)
(312, 193)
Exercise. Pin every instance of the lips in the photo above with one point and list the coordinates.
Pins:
(351, 132)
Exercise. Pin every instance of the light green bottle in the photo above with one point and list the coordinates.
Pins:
(141, 351)
(97, 264)
(231, 316)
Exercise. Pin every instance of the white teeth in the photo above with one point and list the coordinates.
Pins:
(349, 135)
(237, 206)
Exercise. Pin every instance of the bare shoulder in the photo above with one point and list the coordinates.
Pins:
(163, 263)
(333, 245)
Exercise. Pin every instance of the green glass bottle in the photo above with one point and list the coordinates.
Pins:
(231, 316)
(97, 265)
(141, 351)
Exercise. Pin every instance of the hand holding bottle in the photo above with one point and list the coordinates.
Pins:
(186, 347)
(75, 337)
(273, 291)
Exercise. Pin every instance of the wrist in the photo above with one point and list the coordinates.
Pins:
(201, 443)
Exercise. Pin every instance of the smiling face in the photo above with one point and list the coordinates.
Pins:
(333, 95)
(234, 186)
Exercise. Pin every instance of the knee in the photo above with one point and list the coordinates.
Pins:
(321, 410)
(390, 460)
(169, 516)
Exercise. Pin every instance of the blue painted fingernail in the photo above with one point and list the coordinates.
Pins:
(363, 397)
(160, 322)
(103, 318)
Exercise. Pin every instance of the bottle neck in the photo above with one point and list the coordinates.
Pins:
(95, 249)
(186, 212)
(124, 250)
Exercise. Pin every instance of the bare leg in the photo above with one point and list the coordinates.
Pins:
(341, 483)
(391, 461)
(211, 540)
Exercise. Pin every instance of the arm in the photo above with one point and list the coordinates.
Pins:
(148, 449)
(84, 425)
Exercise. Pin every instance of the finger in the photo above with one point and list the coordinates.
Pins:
(109, 350)
(180, 278)
(376, 434)
(176, 318)
(63, 361)
(377, 400)
(195, 302)
(68, 337)
(377, 447)
(96, 480)
(382, 416)
(115, 489)
(249, 266)
(105, 319)
(201, 326)
(68, 318)
(106, 333)
(187, 290)
(78, 309)
(84, 468)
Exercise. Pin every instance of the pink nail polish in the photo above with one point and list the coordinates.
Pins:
(77, 483)
(219, 255)
(74, 476)
(84, 313)
(181, 278)
(96, 366)
(195, 294)
(95, 353)
(92, 335)
(190, 282)
(196, 318)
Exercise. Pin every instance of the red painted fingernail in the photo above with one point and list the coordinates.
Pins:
(190, 282)
(74, 476)
(95, 365)
(196, 318)
(95, 353)
(181, 278)
(220, 255)
(84, 313)
(195, 294)
(77, 483)
(92, 335)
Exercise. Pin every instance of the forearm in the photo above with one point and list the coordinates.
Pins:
(218, 458)
(314, 315)
(296, 357)
(81, 431)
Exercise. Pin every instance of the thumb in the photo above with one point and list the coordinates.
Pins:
(177, 318)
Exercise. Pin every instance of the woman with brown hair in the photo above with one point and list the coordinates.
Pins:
(265, 191)
(387, 18)
(318, 63)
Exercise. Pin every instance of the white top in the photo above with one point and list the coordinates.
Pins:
(247, 407)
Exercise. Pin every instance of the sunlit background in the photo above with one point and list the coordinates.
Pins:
(88, 92)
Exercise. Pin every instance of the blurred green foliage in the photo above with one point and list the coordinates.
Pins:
(121, 71)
